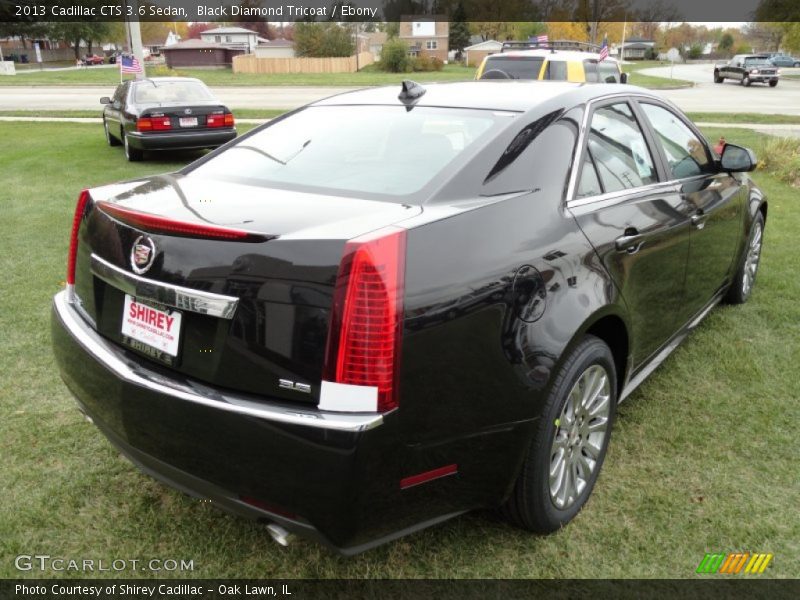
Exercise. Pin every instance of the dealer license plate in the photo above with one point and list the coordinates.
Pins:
(188, 121)
(153, 331)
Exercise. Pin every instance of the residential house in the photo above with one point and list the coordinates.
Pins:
(636, 48)
(277, 48)
(232, 37)
(474, 55)
(198, 53)
(426, 38)
(372, 42)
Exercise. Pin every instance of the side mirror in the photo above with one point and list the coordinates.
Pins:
(105, 100)
(623, 78)
(736, 159)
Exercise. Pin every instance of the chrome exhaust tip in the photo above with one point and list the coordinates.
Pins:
(279, 534)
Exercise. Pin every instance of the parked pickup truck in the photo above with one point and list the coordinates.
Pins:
(747, 69)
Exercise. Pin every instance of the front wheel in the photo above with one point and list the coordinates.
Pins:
(746, 81)
(570, 442)
(718, 78)
(773, 83)
(131, 153)
(745, 277)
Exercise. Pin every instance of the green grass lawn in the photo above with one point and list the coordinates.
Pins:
(633, 68)
(241, 113)
(703, 456)
(366, 77)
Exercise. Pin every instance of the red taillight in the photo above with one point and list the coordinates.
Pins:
(167, 226)
(366, 321)
(153, 124)
(219, 120)
(72, 257)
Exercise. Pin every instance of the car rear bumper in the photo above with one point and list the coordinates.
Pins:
(320, 475)
(182, 140)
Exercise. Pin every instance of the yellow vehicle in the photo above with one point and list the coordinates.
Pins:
(562, 61)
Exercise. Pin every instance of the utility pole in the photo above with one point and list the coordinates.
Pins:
(135, 33)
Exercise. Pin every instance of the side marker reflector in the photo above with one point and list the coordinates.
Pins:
(408, 482)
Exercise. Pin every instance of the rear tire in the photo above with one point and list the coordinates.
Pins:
(110, 139)
(796, 65)
(131, 153)
(745, 277)
(570, 441)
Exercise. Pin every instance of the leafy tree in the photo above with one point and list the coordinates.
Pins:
(695, 51)
(195, 29)
(75, 32)
(725, 43)
(459, 30)
(316, 40)
(394, 56)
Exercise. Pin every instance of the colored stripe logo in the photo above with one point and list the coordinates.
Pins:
(734, 563)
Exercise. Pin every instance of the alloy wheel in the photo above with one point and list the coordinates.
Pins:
(752, 259)
(579, 437)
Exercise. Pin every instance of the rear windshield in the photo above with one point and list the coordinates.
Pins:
(380, 152)
(752, 61)
(516, 67)
(162, 92)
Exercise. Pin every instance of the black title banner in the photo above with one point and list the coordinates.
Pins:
(400, 10)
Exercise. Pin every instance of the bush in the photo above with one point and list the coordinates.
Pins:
(162, 71)
(695, 52)
(426, 63)
(394, 57)
(781, 157)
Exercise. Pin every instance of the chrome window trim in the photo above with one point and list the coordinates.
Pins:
(112, 358)
(182, 298)
(607, 198)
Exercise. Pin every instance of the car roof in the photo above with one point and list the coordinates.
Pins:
(166, 79)
(514, 95)
(559, 54)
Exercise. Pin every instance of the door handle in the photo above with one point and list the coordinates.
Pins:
(631, 241)
(699, 219)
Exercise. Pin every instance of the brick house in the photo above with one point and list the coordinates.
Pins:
(426, 38)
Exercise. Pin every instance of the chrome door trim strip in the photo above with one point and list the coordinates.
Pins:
(182, 298)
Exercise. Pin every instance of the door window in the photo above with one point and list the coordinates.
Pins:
(618, 149)
(686, 153)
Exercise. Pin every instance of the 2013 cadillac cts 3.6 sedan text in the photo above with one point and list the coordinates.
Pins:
(380, 311)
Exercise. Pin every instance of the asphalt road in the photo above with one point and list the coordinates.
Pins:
(706, 96)
(729, 97)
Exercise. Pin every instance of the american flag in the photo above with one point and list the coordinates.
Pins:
(604, 49)
(541, 39)
(129, 64)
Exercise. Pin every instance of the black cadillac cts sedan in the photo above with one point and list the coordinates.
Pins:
(395, 305)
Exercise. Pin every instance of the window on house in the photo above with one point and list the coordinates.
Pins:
(217, 38)
(431, 44)
(228, 38)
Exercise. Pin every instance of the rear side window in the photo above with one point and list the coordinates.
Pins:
(686, 153)
(608, 71)
(515, 67)
(590, 71)
(556, 70)
(618, 149)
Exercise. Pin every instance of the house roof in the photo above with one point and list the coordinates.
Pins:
(276, 43)
(487, 45)
(195, 45)
(640, 39)
(228, 30)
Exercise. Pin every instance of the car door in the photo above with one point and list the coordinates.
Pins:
(715, 200)
(635, 219)
(113, 110)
